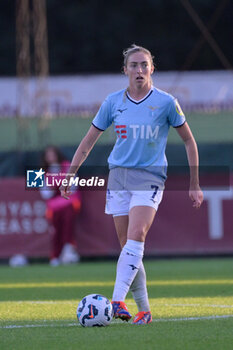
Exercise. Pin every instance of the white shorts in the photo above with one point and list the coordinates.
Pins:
(128, 188)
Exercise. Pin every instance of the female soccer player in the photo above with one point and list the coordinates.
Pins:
(141, 115)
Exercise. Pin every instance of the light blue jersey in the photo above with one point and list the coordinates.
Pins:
(141, 128)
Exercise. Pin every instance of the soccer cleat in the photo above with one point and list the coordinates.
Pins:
(143, 317)
(120, 310)
(69, 255)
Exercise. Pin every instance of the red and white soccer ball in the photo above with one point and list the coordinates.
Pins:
(94, 310)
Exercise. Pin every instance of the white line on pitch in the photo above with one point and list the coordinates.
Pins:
(188, 305)
(196, 305)
(128, 303)
(216, 317)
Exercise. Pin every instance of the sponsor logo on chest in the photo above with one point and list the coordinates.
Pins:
(137, 131)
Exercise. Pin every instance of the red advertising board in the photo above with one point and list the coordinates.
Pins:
(23, 227)
(177, 229)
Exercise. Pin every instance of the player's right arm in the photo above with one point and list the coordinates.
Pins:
(80, 155)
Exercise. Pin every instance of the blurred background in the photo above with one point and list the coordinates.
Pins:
(59, 60)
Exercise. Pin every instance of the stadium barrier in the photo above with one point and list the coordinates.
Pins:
(81, 95)
(178, 229)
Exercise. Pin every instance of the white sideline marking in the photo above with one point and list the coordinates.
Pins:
(38, 302)
(14, 326)
(128, 303)
(216, 317)
(201, 305)
(189, 305)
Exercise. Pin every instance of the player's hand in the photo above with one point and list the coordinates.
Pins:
(65, 191)
(196, 196)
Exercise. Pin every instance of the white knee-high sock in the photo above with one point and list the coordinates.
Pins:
(128, 265)
(139, 290)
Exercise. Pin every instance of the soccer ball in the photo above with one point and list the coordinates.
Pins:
(94, 310)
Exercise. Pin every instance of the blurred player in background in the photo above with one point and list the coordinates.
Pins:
(61, 213)
(142, 115)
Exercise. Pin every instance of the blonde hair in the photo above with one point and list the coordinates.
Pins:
(135, 48)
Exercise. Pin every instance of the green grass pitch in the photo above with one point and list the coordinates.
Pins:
(191, 303)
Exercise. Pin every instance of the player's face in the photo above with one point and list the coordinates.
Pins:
(139, 69)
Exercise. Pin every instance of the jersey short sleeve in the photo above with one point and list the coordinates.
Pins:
(176, 116)
(103, 118)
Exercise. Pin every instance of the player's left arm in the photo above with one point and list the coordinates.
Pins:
(195, 192)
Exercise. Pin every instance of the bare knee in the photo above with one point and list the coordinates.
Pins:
(140, 220)
(138, 233)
